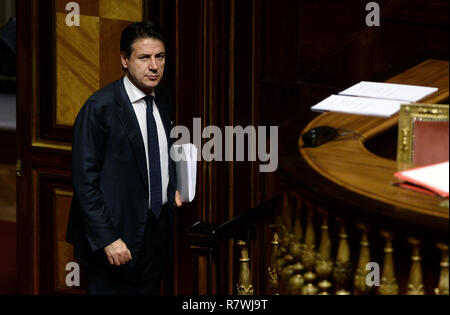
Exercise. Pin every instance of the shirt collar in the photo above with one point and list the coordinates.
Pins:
(134, 93)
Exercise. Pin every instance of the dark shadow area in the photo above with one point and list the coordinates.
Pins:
(8, 270)
(8, 156)
(383, 144)
(8, 57)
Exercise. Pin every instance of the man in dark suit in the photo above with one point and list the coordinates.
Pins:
(124, 182)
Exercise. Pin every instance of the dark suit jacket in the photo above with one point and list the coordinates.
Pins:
(109, 172)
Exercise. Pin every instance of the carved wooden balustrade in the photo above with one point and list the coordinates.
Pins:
(310, 251)
(351, 258)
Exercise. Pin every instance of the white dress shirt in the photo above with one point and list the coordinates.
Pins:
(136, 97)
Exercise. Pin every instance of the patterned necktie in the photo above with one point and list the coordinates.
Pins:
(153, 160)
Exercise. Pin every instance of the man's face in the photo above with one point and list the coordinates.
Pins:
(145, 66)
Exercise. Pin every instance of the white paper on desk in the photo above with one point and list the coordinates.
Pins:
(185, 157)
(358, 105)
(390, 91)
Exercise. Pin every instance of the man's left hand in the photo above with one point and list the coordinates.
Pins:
(178, 202)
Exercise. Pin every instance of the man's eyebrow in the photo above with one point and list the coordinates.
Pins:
(149, 55)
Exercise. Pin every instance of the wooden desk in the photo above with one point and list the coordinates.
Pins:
(348, 164)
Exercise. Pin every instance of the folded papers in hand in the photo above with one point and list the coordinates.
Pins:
(432, 179)
(185, 157)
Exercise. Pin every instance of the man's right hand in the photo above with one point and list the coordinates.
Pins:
(118, 253)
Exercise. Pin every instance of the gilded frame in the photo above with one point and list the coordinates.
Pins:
(409, 113)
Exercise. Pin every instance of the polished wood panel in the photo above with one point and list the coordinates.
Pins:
(77, 66)
(54, 253)
(87, 7)
(349, 164)
(130, 10)
(62, 200)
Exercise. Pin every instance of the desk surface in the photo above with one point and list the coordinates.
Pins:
(350, 165)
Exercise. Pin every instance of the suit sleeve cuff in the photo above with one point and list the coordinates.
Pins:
(99, 239)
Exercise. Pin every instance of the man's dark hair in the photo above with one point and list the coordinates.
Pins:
(138, 30)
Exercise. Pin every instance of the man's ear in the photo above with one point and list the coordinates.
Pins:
(124, 59)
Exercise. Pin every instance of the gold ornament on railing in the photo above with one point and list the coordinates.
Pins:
(443, 285)
(286, 273)
(389, 284)
(290, 247)
(295, 284)
(284, 264)
(324, 263)
(415, 282)
(283, 227)
(360, 286)
(295, 279)
(244, 286)
(309, 255)
(272, 270)
(284, 259)
(342, 274)
(284, 239)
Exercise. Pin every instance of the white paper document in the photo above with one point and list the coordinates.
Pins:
(390, 91)
(358, 105)
(185, 157)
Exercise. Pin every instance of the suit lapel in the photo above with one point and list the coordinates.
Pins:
(129, 121)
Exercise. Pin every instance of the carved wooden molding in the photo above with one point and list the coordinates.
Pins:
(409, 114)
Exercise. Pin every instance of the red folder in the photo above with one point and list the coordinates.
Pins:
(428, 179)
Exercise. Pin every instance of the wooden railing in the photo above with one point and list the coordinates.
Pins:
(290, 245)
(356, 258)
